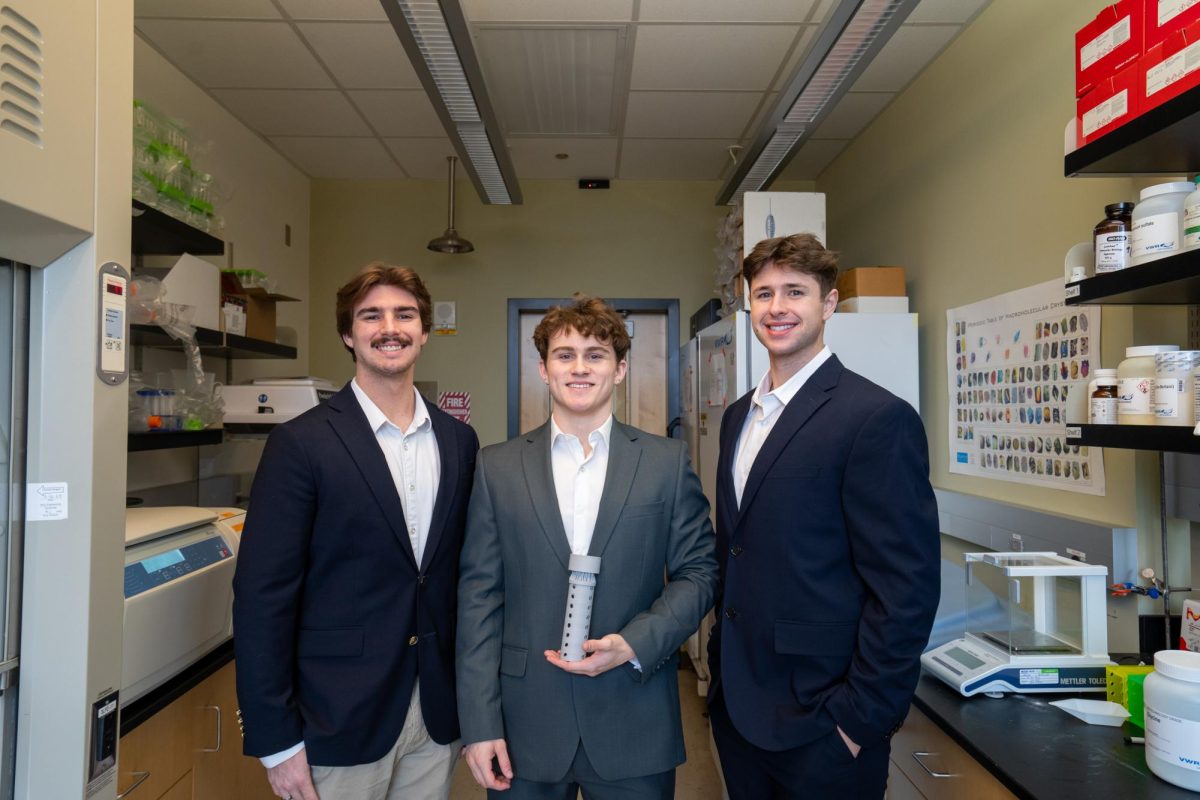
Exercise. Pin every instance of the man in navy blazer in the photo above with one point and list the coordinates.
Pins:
(827, 537)
(345, 590)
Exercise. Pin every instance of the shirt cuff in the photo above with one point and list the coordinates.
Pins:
(282, 756)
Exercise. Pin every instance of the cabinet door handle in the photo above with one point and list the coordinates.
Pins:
(141, 777)
(924, 766)
(216, 748)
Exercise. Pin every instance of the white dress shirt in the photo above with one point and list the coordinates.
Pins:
(415, 463)
(766, 406)
(579, 481)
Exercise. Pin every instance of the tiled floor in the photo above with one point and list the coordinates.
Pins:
(695, 780)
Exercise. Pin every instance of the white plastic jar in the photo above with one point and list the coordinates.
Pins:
(1173, 393)
(1103, 408)
(1191, 218)
(1158, 221)
(1135, 383)
(1172, 699)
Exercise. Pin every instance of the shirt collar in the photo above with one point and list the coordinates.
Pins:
(377, 419)
(602, 433)
(771, 399)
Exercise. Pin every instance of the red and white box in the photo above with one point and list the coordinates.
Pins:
(1115, 38)
(1171, 68)
(1164, 17)
(1113, 102)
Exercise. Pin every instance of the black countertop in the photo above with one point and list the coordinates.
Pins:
(1041, 752)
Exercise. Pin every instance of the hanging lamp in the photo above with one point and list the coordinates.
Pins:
(450, 241)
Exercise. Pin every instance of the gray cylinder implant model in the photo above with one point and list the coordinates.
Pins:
(581, 587)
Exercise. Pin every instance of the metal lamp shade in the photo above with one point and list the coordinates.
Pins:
(450, 241)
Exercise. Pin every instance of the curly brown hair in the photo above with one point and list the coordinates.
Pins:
(800, 252)
(587, 316)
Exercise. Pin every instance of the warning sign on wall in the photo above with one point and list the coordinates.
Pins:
(456, 404)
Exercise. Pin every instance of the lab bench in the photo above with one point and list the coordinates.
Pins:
(1033, 750)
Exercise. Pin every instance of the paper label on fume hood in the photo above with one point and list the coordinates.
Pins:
(45, 501)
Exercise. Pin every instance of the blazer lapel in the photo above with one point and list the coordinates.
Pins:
(350, 425)
(727, 504)
(443, 431)
(539, 478)
(813, 395)
(623, 457)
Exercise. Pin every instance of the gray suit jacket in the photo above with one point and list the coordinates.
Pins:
(652, 521)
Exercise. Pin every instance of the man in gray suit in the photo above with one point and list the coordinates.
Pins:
(543, 727)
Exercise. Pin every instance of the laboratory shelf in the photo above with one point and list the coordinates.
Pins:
(212, 343)
(158, 234)
(1166, 438)
(140, 442)
(1163, 141)
(1174, 280)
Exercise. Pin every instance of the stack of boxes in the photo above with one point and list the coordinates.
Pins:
(1134, 56)
(878, 290)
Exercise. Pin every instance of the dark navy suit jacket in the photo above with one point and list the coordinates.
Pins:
(333, 617)
(830, 567)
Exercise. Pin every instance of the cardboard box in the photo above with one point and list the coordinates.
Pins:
(1164, 17)
(873, 305)
(1111, 41)
(1115, 101)
(1171, 68)
(259, 305)
(871, 282)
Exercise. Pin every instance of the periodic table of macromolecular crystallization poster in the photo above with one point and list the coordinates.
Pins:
(1012, 362)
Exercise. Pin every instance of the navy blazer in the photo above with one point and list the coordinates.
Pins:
(333, 618)
(830, 567)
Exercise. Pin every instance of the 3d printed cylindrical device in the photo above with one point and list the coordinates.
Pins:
(581, 587)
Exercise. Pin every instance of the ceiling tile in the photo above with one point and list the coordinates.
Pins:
(757, 120)
(671, 159)
(331, 10)
(807, 35)
(232, 9)
(423, 159)
(361, 55)
(237, 55)
(349, 159)
(398, 112)
(812, 158)
(725, 11)
(709, 56)
(853, 113)
(534, 157)
(909, 50)
(958, 11)
(693, 115)
(290, 112)
(548, 10)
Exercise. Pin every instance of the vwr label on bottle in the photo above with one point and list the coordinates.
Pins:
(1135, 395)
(1112, 251)
(1173, 739)
(1157, 233)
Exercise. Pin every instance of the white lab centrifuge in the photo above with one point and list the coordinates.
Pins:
(179, 564)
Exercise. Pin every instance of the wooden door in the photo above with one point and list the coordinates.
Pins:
(640, 400)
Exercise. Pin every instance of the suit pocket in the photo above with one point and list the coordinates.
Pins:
(793, 473)
(512, 661)
(330, 642)
(642, 510)
(815, 638)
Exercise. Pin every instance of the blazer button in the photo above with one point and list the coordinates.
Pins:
(730, 613)
(735, 551)
(412, 640)
(420, 580)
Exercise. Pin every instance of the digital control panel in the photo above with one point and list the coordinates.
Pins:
(163, 567)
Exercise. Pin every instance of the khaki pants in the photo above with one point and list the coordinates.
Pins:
(415, 768)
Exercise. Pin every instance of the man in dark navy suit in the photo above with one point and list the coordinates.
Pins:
(345, 591)
(827, 536)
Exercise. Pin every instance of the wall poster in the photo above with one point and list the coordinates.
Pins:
(1012, 362)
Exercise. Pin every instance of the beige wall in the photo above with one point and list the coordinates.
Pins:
(652, 240)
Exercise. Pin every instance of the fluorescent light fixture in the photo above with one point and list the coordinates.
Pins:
(853, 33)
(438, 42)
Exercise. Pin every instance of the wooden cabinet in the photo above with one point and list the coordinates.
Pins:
(926, 763)
(192, 750)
